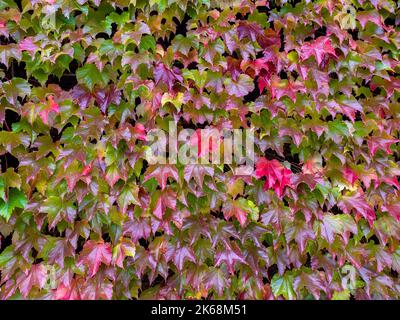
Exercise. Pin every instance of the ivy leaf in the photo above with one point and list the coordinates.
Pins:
(311, 282)
(318, 48)
(166, 199)
(240, 209)
(356, 202)
(300, 232)
(10, 179)
(60, 250)
(217, 280)
(249, 30)
(179, 255)
(16, 199)
(128, 195)
(36, 276)
(280, 88)
(17, 87)
(81, 96)
(51, 106)
(277, 176)
(125, 248)
(89, 75)
(375, 143)
(57, 209)
(183, 44)
(393, 208)
(104, 97)
(283, 285)
(166, 76)
(27, 44)
(137, 229)
(197, 172)
(350, 175)
(241, 87)
(340, 224)
(147, 43)
(93, 254)
(161, 173)
(229, 256)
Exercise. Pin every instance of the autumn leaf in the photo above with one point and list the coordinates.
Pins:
(229, 257)
(161, 173)
(240, 209)
(179, 255)
(166, 199)
(357, 203)
(93, 254)
(313, 213)
(17, 87)
(36, 276)
(277, 176)
(166, 76)
(241, 87)
(51, 106)
(318, 49)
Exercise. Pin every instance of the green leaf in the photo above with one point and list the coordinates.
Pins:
(15, 88)
(2, 189)
(128, 195)
(6, 256)
(11, 179)
(16, 199)
(147, 43)
(89, 75)
(342, 295)
(338, 127)
(283, 285)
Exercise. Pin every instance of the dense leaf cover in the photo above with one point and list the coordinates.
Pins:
(84, 216)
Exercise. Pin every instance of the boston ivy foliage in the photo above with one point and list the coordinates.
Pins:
(84, 216)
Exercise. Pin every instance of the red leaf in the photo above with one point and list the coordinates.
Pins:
(350, 176)
(237, 209)
(375, 143)
(250, 30)
(372, 16)
(166, 200)
(161, 173)
(61, 250)
(70, 292)
(281, 88)
(179, 255)
(166, 76)
(81, 96)
(51, 106)
(137, 229)
(104, 97)
(36, 276)
(93, 254)
(229, 256)
(317, 48)
(277, 176)
(27, 44)
(393, 209)
(358, 204)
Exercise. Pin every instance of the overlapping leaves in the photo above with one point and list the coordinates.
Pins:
(84, 216)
